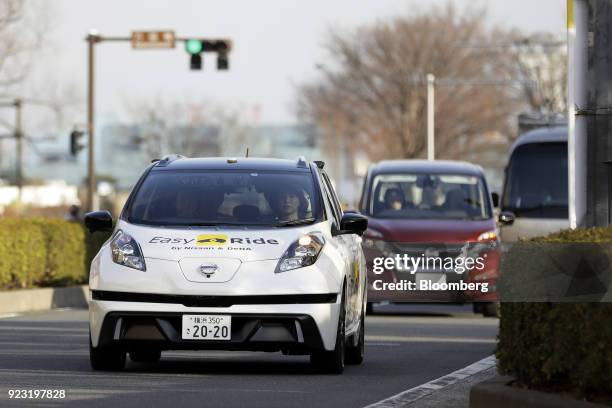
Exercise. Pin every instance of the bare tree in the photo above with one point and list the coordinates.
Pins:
(539, 63)
(21, 33)
(373, 94)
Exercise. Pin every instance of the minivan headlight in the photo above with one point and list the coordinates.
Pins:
(487, 236)
(303, 252)
(126, 251)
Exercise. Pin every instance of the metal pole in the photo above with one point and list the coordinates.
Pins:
(91, 39)
(19, 148)
(430, 116)
(577, 34)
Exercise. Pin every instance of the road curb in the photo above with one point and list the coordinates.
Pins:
(412, 395)
(32, 300)
(495, 392)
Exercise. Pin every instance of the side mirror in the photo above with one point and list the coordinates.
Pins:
(506, 218)
(99, 221)
(353, 223)
(495, 198)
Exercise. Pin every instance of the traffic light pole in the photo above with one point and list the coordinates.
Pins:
(92, 39)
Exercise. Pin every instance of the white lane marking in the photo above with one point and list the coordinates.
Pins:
(413, 394)
(380, 343)
(49, 329)
(429, 339)
(434, 321)
(37, 312)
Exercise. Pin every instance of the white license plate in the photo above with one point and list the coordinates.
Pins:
(432, 277)
(207, 327)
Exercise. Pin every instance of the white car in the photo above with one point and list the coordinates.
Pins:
(230, 254)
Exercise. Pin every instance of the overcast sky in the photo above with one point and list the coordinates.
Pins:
(276, 45)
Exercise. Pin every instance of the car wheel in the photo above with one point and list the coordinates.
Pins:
(490, 309)
(354, 354)
(145, 356)
(477, 307)
(332, 362)
(106, 358)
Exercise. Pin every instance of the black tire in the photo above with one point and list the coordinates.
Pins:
(145, 356)
(332, 362)
(370, 308)
(490, 309)
(354, 354)
(477, 307)
(106, 358)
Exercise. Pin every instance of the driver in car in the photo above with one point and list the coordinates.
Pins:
(291, 205)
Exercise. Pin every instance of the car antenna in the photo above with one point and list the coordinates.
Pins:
(247, 152)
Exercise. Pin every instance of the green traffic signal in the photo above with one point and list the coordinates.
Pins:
(193, 46)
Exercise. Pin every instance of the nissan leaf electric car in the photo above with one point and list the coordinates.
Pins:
(229, 254)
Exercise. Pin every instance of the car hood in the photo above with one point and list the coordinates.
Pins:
(244, 244)
(402, 230)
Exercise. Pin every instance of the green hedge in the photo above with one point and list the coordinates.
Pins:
(559, 346)
(45, 252)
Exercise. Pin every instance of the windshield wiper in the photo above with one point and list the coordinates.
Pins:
(296, 222)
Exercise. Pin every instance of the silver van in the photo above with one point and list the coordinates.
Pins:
(535, 196)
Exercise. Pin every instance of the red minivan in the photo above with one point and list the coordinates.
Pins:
(435, 210)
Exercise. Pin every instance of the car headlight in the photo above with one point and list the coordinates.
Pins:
(303, 252)
(126, 251)
(487, 236)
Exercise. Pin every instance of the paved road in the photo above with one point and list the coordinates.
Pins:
(406, 346)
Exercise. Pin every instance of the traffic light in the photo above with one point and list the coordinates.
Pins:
(195, 63)
(222, 61)
(195, 47)
(75, 146)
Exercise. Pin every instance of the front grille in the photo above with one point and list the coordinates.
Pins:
(418, 250)
(214, 301)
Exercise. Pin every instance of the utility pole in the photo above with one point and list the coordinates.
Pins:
(593, 113)
(577, 57)
(18, 135)
(431, 79)
(19, 141)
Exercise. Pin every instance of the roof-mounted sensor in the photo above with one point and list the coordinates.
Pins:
(301, 162)
(166, 160)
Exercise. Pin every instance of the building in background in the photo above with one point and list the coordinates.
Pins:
(124, 151)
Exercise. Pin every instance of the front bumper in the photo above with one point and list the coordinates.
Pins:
(295, 328)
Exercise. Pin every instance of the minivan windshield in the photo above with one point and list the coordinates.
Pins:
(429, 196)
(238, 197)
(536, 181)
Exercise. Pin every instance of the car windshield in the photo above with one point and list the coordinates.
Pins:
(429, 196)
(536, 181)
(241, 198)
